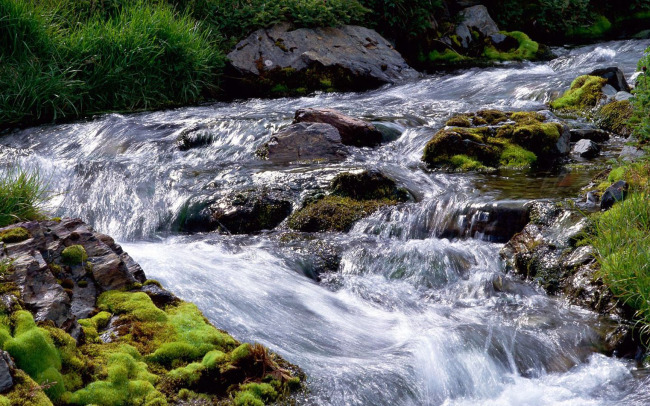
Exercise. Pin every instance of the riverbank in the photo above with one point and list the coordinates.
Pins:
(63, 60)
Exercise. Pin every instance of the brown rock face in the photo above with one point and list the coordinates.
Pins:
(305, 141)
(353, 131)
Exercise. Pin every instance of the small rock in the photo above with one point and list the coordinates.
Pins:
(353, 131)
(620, 96)
(305, 141)
(159, 296)
(586, 149)
(594, 135)
(615, 193)
(615, 78)
(6, 367)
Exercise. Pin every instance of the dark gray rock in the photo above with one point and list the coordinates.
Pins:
(475, 18)
(242, 212)
(615, 78)
(615, 193)
(305, 141)
(6, 368)
(359, 51)
(353, 131)
(160, 296)
(592, 134)
(586, 149)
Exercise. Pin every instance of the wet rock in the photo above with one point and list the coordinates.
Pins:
(586, 149)
(353, 131)
(621, 96)
(160, 296)
(631, 153)
(475, 19)
(581, 256)
(6, 368)
(615, 78)
(55, 289)
(367, 185)
(241, 212)
(351, 57)
(198, 136)
(305, 141)
(615, 193)
(592, 134)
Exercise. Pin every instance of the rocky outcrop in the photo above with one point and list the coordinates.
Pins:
(345, 58)
(241, 212)
(304, 142)
(545, 251)
(75, 306)
(353, 131)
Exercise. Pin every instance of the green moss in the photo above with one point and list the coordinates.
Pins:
(492, 117)
(334, 213)
(597, 29)
(26, 392)
(465, 163)
(615, 116)
(213, 359)
(517, 157)
(527, 117)
(4, 401)
(448, 56)
(13, 235)
(461, 120)
(526, 50)
(280, 90)
(74, 255)
(152, 282)
(254, 394)
(585, 93)
(138, 305)
(188, 375)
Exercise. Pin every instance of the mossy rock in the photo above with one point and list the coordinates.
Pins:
(584, 94)
(461, 120)
(333, 213)
(523, 48)
(14, 235)
(614, 117)
(368, 185)
(74, 255)
(457, 146)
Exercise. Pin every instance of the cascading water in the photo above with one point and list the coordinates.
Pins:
(416, 315)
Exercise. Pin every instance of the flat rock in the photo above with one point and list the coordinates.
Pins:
(305, 141)
(359, 51)
(353, 131)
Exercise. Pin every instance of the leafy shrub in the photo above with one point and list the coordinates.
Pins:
(640, 119)
(395, 18)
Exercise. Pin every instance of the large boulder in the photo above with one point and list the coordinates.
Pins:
(304, 142)
(241, 212)
(475, 19)
(353, 131)
(615, 78)
(346, 58)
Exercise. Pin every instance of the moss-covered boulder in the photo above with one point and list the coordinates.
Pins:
(14, 234)
(497, 139)
(130, 348)
(615, 116)
(353, 197)
(584, 94)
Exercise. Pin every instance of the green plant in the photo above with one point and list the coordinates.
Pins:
(22, 195)
(640, 118)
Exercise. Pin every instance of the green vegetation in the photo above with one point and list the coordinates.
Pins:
(74, 255)
(16, 234)
(527, 49)
(22, 194)
(515, 140)
(614, 117)
(640, 119)
(584, 94)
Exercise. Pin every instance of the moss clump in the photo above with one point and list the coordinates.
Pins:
(585, 93)
(492, 117)
(614, 117)
(447, 56)
(333, 213)
(367, 185)
(461, 120)
(464, 146)
(26, 392)
(74, 255)
(255, 394)
(465, 163)
(13, 235)
(527, 49)
(514, 156)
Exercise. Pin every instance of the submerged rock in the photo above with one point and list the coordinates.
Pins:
(304, 142)
(344, 58)
(353, 131)
(586, 149)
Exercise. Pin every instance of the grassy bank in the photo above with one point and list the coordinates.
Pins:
(22, 194)
(621, 236)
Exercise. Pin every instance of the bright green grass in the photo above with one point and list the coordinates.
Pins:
(22, 194)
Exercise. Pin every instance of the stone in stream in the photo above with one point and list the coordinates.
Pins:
(238, 212)
(615, 78)
(592, 134)
(344, 58)
(476, 18)
(353, 131)
(586, 149)
(304, 142)
(615, 193)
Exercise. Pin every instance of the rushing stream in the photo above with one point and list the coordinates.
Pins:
(410, 318)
